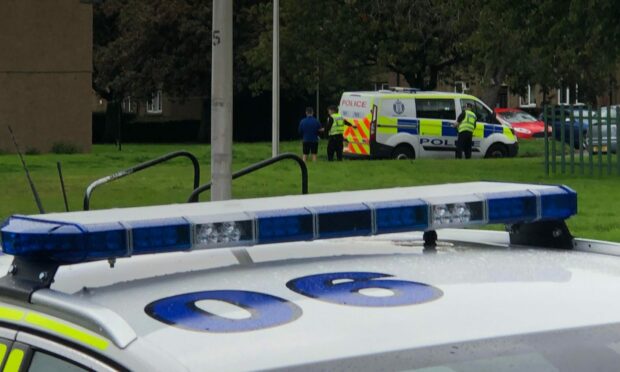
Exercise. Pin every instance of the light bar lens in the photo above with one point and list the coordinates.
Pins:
(66, 242)
(397, 216)
(457, 214)
(285, 225)
(558, 205)
(344, 220)
(220, 234)
(507, 206)
(165, 235)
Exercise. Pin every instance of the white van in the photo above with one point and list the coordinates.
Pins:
(408, 124)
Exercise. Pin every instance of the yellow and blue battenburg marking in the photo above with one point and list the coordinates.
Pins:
(79, 241)
(53, 326)
(447, 129)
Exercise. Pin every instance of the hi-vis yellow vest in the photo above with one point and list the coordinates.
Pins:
(469, 122)
(337, 126)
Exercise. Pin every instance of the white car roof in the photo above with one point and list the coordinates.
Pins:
(486, 291)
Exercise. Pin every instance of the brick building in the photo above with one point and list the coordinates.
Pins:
(45, 73)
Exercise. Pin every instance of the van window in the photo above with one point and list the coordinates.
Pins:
(483, 114)
(435, 108)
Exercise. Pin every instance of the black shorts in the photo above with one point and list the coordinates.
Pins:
(311, 147)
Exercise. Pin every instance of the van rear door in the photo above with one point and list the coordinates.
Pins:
(357, 110)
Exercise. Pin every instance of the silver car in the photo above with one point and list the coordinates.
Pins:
(376, 280)
(601, 141)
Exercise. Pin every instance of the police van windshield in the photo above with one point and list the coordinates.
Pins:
(580, 349)
(482, 113)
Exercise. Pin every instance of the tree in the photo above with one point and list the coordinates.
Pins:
(501, 46)
(158, 45)
(415, 38)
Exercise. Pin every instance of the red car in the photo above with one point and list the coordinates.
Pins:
(525, 125)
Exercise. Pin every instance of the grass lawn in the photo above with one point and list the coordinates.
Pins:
(599, 204)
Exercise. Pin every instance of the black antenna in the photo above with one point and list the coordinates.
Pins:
(62, 186)
(34, 189)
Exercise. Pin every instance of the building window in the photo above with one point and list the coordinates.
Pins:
(564, 96)
(129, 106)
(460, 87)
(528, 99)
(153, 106)
(380, 85)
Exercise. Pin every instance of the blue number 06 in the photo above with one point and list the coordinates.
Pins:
(344, 289)
(181, 311)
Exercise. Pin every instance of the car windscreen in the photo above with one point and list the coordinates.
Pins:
(516, 116)
(580, 349)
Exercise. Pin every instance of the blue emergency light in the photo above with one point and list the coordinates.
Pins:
(88, 236)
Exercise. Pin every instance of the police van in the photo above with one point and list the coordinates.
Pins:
(403, 123)
(374, 280)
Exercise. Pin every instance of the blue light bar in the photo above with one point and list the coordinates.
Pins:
(72, 242)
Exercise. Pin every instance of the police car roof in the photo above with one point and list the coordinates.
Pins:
(470, 290)
(484, 291)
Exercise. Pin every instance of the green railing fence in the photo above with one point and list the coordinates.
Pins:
(581, 140)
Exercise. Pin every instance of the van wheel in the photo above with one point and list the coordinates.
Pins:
(497, 150)
(402, 152)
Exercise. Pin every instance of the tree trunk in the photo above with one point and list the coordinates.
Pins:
(112, 122)
(204, 131)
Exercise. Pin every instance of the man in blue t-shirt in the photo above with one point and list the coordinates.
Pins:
(309, 129)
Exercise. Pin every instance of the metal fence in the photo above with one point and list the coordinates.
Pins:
(581, 140)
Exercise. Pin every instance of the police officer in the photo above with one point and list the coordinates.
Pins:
(465, 125)
(335, 130)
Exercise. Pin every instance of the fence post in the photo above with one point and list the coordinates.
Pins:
(571, 147)
(581, 142)
(546, 121)
(590, 154)
(617, 138)
(553, 117)
(609, 140)
(562, 141)
(600, 143)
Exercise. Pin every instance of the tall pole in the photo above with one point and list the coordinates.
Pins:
(275, 100)
(222, 100)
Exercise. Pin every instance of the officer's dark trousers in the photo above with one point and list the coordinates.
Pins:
(463, 145)
(334, 145)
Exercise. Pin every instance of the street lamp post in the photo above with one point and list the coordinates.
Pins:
(275, 99)
(222, 100)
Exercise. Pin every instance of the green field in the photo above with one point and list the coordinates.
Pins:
(599, 201)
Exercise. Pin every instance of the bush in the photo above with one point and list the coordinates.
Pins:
(64, 148)
(33, 151)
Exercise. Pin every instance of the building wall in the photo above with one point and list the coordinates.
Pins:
(45, 73)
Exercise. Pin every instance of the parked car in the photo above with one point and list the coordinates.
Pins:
(566, 117)
(525, 125)
(600, 142)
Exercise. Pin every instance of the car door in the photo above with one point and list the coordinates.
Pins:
(437, 133)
